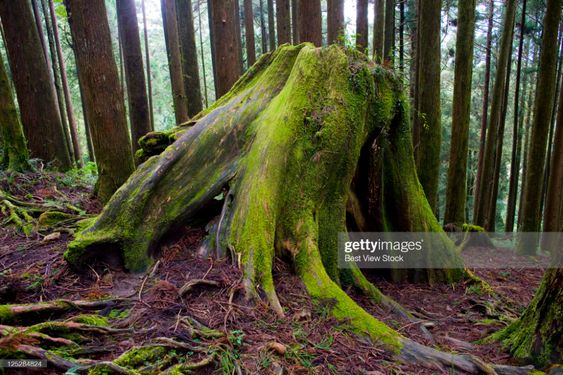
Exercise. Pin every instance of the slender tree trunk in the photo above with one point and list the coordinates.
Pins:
(188, 50)
(134, 72)
(271, 25)
(309, 22)
(552, 125)
(492, 206)
(457, 171)
(204, 73)
(64, 83)
(249, 32)
(485, 110)
(545, 92)
(362, 25)
(169, 19)
(402, 36)
(103, 99)
(227, 44)
(148, 64)
(482, 217)
(517, 157)
(35, 92)
(263, 29)
(389, 43)
(428, 92)
(53, 65)
(552, 218)
(378, 29)
(294, 22)
(15, 157)
(283, 19)
(335, 21)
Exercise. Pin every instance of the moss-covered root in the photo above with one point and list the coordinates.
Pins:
(34, 311)
(537, 335)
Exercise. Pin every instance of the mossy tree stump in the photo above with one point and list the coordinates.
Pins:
(301, 135)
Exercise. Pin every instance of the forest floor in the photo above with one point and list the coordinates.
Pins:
(255, 339)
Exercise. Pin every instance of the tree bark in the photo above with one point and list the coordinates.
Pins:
(402, 36)
(484, 111)
(249, 32)
(103, 99)
(389, 43)
(36, 96)
(148, 64)
(169, 18)
(378, 29)
(283, 19)
(482, 217)
(309, 22)
(134, 71)
(271, 25)
(553, 218)
(226, 45)
(335, 21)
(516, 136)
(545, 92)
(428, 93)
(362, 25)
(15, 155)
(457, 172)
(188, 50)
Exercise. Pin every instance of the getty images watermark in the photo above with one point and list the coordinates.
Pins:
(434, 250)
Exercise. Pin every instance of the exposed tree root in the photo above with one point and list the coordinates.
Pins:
(27, 312)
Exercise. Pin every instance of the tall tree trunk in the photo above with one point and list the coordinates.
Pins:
(249, 32)
(134, 71)
(378, 29)
(492, 206)
(482, 217)
(227, 44)
(552, 124)
(552, 218)
(485, 110)
(263, 29)
(335, 21)
(516, 136)
(103, 98)
(309, 22)
(204, 73)
(457, 171)
(294, 22)
(35, 92)
(169, 18)
(545, 92)
(64, 82)
(389, 43)
(402, 36)
(271, 25)
(283, 19)
(53, 65)
(362, 25)
(188, 50)
(428, 93)
(15, 155)
(148, 64)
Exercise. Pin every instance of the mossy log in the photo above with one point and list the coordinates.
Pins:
(286, 148)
